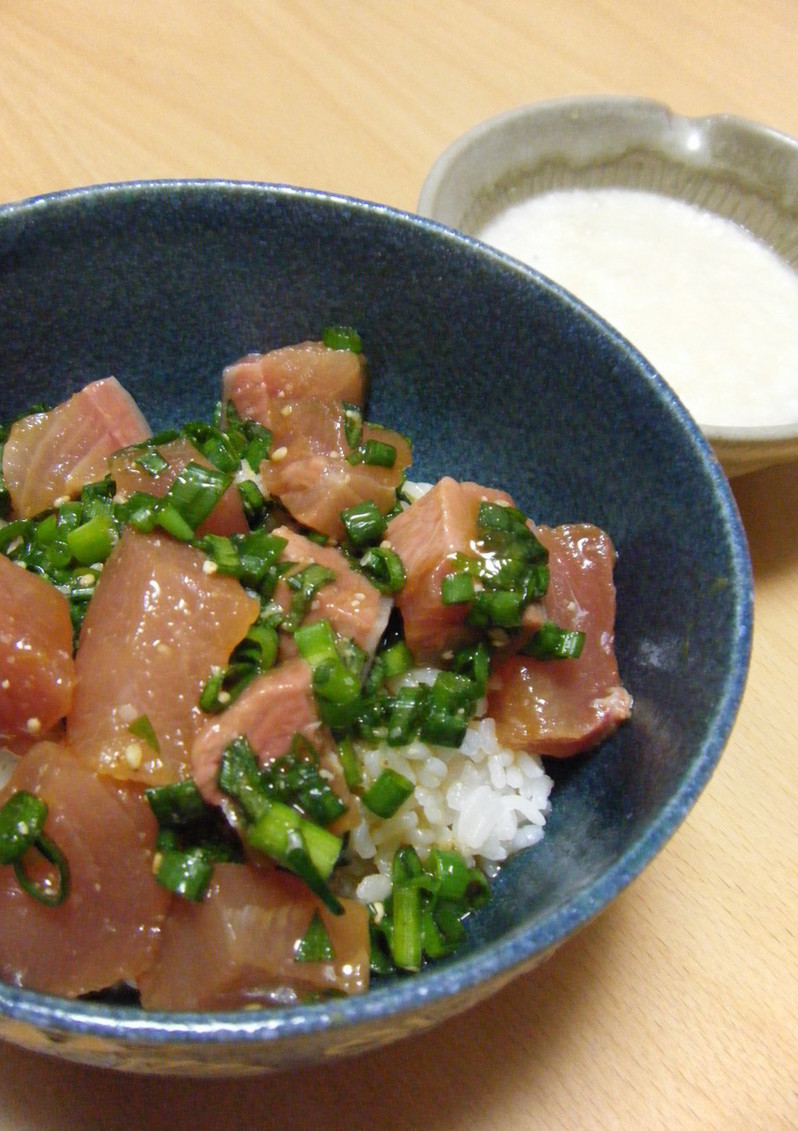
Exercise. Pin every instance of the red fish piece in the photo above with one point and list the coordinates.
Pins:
(238, 946)
(352, 605)
(562, 707)
(227, 517)
(309, 473)
(308, 369)
(158, 624)
(427, 536)
(50, 455)
(108, 927)
(268, 713)
(37, 672)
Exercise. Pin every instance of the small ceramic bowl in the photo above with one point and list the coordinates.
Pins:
(163, 284)
(737, 169)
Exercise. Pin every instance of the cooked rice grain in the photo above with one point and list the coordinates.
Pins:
(484, 800)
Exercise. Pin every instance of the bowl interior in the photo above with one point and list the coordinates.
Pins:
(497, 376)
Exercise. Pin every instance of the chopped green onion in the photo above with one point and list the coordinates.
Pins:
(259, 648)
(196, 491)
(52, 893)
(305, 584)
(383, 567)
(405, 942)
(239, 776)
(350, 763)
(337, 691)
(184, 872)
(254, 505)
(277, 828)
(342, 338)
(451, 871)
(454, 692)
(441, 727)
(353, 424)
(22, 820)
(496, 608)
(385, 796)
(176, 804)
(217, 446)
(551, 642)
(143, 728)
(222, 552)
(315, 945)
(396, 659)
(316, 643)
(258, 446)
(473, 661)
(289, 839)
(296, 780)
(457, 588)
(425, 913)
(363, 524)
(92, 542)
(170, 520)
(408, 710)
(373, 453)
(151, 461)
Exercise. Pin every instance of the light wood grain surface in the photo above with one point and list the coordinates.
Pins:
(678, 1008)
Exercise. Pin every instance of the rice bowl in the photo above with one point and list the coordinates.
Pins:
(609, 813)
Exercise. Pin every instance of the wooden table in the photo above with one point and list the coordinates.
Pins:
(678, 1008)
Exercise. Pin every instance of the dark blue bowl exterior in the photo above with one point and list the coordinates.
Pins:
(497, 375)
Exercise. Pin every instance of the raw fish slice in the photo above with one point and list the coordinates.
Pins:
(156, 628)
(426, 536)
(227, 517)
(309, 472)
(561, 707)
(238, 946)
(108, 927)
(51, 455)
(37, 672)
(352, 605)
(308, 369)
(268, 713)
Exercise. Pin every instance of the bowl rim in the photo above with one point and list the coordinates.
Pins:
(496, 962)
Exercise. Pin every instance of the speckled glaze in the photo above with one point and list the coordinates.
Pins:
(498, 376)
(740, 170)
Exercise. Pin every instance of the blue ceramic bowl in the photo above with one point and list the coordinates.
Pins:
(498, 376)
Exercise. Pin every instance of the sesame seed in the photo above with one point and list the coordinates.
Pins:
(286, 410)
(33, 725)
(134, 755)
(278, 454)
(5, 684)
(127, 713)
(209, 567)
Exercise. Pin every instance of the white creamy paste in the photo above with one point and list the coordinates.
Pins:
(713, 309)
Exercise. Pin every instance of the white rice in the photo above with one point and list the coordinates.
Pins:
(482, 800)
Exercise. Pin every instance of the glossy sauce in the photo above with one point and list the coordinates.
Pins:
(713, 309)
